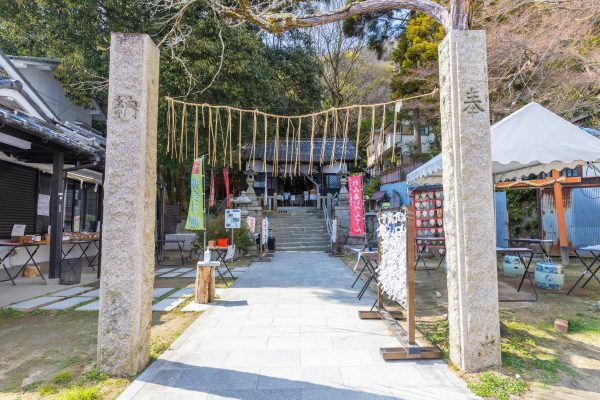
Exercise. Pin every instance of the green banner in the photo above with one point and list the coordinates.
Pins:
(195, 219)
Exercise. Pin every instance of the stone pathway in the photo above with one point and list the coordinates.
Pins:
(289, 330)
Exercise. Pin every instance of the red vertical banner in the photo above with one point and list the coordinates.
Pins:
(357, 211)
(226, 181)
(211, 195)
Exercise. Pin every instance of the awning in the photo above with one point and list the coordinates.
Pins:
(529, 141)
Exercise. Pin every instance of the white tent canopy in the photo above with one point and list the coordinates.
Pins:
(529, 141)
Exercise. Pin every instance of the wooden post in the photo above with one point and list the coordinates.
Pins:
(205, 282)
(560, 218)
(410, 263)
(379, 291)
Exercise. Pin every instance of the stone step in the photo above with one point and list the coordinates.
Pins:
(303, 248)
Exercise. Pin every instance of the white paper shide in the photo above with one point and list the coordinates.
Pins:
(392, 272)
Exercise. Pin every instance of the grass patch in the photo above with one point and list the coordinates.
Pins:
(497, 387)
(46, 390)
(63, 378)
(523, 352)
(95, 376)
(437, 333)
(158, 346)
(584, 324)
(9, 313)
(80, 393)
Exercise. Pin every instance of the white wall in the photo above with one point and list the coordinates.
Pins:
(50, 89)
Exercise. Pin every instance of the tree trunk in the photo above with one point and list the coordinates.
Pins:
(205, 284)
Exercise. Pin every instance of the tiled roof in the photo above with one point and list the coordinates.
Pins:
(76, 138)
(350, 150)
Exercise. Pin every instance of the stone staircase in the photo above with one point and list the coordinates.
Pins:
(299, 229)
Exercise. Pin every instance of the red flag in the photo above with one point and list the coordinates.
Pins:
(226, 181)
(357, 212)
(211, 195)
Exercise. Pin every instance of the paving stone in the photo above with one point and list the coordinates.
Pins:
(289, 330)
(191, 274)
(66, 304)
(170, 275)
(74, 291)
(157, 292)
(181, 293)
(93, 306)
(163, 271)
(93, 293)
(195, 307)
(184, 270)
(32, 304)
(166, 305)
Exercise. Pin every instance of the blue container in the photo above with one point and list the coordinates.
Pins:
(512, 266)
(549, 275)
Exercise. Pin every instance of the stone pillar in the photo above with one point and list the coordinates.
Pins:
(469, 205)
(129, 206)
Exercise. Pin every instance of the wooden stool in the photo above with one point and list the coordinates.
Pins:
(205, 281)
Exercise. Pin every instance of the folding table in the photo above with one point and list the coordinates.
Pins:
(595, 252)
(369, 258)
(541, 243)
(422, 244)
(519, 251)
(13, 246)
(83, 245)
(221, 253)
(180, 244)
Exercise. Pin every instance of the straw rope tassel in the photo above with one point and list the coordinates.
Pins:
(216, 134)
(298, 168)
(276, 149)
(168, 125)
(240, 142)
(312, 143)
(287, 141)
(359, 121)
(196, 133)
(229, 140)
(398, 104)
(254, 138)
(292, 155)
(381, 132)
(335, 134)
(324, 138)
(210, 129)
(182, 133)
(371, 139)
(345, 138)
(173, 148)
(266, 123)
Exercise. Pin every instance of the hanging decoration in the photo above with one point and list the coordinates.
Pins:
(195, 219)
(392, 268)
(357, 211)
(226, 183)
(215, 127)
(211, 194)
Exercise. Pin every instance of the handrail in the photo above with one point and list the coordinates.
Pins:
(221, 207)
(327, 219)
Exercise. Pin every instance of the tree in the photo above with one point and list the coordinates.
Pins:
(227, 65)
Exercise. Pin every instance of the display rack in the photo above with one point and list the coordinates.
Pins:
(429, 218)
(404, 331)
